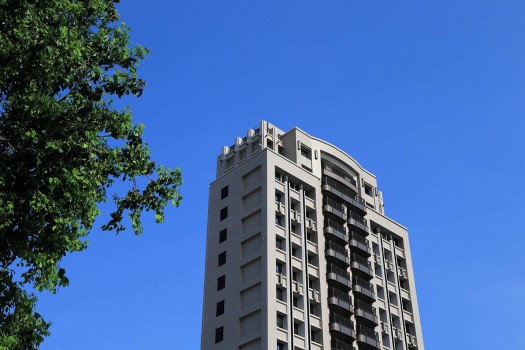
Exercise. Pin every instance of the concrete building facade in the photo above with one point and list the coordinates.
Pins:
(300, 255)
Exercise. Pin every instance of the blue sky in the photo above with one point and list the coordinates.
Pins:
(427, 95)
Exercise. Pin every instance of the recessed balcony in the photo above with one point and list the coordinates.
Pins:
(363, 288)
(339, 174)
(338, 276)
(332, 206)
(367, 338)
(359, 242)
(366, 312)
(337, 253)
(361, 266)
(357, 221)
(341, 325)
(411, 341)
(335, 230)
(343, 192)
(337, 344)
(340, 300)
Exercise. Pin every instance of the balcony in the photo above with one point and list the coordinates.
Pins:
(359, 242)
(297, 287)
(311, 224)
(337, 209)
(314, 295)
(280, 208)
(367, 337)
(361, 266)
(344, 193)
(342, 325)
(357, 221)
(337, 253)
(335, 230)
(366, 312)
(295, 215)
(339, 299)
(338, 275)
(337, 344)
(364, 288)
(402, 273)
(339, 174)
(411, 341)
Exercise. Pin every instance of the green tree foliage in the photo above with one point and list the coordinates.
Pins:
(63, 145)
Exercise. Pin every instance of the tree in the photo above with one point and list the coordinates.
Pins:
(63, 144)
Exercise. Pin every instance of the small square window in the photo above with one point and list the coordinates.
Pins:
(279, 243)
(220, 308)
(224, 213)
(279, 267)
(223, 235)
(279, 294)
(219, 334)
(369, 190)
(221, 282)
(280, 321)
(222, 258)
(224, 192)
(278, 220)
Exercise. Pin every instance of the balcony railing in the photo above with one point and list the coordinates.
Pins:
(366, 311)
(337, 251)
(368, 336)
(358, 241)
(340, 299)
(337, 344)
(364, 287)
(361, 264)
(338, 274)
(339, 172)
(357, 220)
(336, 229)
(334, 204)
(341, 324)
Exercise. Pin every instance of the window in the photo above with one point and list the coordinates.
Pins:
(220, 308)
(295, 301)
(222, 258)
(221, 282)
(279, 294)
(369, 190)
(292, 206)
(280, 346)
(280, 321)
(223, 235)
(295, 252)
(278, 176)
(296, 326)
(279, 267)
(224, 192)
(278, 197)
(269, 144)
(219, 334)
(294, 228)
(224, 213)
(306, 152)
(279, 243)
(278, 220)
(315, 336)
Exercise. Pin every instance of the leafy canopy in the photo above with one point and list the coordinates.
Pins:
(62, 146)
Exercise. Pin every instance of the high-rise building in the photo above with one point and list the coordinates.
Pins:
(300, 254)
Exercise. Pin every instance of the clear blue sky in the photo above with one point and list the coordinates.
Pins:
(427, 95)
